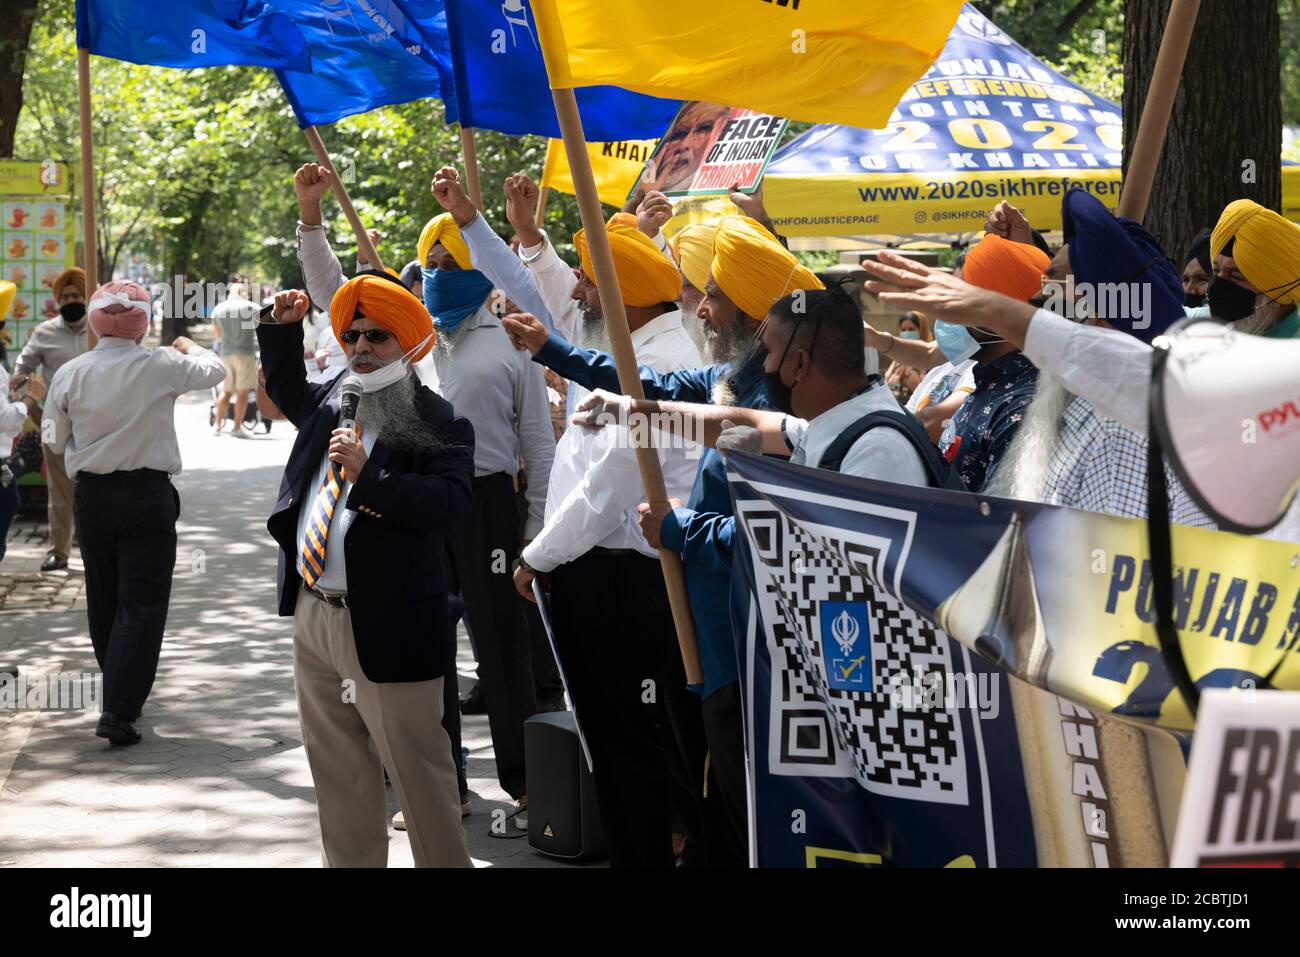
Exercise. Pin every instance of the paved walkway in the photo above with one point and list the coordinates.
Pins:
(221, 778)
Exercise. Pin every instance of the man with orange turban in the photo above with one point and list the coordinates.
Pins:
(503, 396)
(361, 520)
(51, 344)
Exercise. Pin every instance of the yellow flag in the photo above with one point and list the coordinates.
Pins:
(615, 165)
(824, 61)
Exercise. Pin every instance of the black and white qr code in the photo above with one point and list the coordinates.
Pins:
(893, 742)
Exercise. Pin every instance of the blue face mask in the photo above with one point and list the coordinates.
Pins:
(909, 334)
(452, 295)
(956, 344)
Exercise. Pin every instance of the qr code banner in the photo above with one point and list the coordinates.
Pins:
(840, 646)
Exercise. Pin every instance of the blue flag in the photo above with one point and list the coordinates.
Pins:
(366, 54)
(193, 34)
(501, 83)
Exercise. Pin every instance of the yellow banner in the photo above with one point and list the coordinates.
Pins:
(825, 61)
(616, 167)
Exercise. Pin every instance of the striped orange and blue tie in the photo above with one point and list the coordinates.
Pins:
(318, 523)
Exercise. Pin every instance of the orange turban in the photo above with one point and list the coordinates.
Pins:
(388, 304)
(645, 276)
(1266, 248)
(443, 229)
(75, 275)
(753, 270)
(1013, 269)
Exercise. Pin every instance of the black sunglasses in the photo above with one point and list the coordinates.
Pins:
(374, 336)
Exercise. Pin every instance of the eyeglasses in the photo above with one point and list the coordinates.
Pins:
(373, 336)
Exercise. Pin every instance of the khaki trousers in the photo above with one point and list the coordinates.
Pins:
(60, 487)
(353, 728)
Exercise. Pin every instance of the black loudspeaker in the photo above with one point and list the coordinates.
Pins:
(563, 820)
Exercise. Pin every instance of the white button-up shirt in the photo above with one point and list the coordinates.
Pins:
(112, 408)
(882, 453)
(595, 485)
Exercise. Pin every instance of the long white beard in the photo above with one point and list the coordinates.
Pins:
(1024, 470)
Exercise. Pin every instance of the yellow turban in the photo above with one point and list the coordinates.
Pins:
(7, 292)
(1266, 248)
(752, 269)
(645, 276)
(693, 247)
(443, 229)
(390, 305)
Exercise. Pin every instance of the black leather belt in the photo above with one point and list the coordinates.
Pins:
(336, 601)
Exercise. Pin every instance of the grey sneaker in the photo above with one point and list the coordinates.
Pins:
(399, 822)
(521, 813)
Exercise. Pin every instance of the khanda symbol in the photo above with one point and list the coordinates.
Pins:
(844, 629)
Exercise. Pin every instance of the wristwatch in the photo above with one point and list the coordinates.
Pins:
(520, 563)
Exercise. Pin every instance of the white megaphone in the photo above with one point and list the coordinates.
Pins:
(1226, 410)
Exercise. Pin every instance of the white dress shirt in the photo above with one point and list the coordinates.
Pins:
(882, 453)
(554, 280)
(112, 407)
(595, 485)
(333, 578)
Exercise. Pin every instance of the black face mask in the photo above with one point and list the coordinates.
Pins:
(73, 311)
(1193, 300)
(780, 394)
(1228, 301)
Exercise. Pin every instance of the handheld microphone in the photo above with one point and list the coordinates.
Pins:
(349, 400)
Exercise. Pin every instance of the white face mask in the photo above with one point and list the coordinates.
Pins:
(391, 373)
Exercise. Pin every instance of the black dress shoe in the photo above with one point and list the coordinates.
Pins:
(54, 563)
(474, 702)
(117, 729)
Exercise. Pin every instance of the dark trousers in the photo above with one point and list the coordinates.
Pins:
(10, 503)
(546, 677)
(481, 551)
(726, 808)
(614, 632)
(126, 524)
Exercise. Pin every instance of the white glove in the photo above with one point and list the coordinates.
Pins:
(600, 409)
(740, 438)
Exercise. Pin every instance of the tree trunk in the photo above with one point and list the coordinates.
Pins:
(174, 322)
(1225, 134)
(17, 16)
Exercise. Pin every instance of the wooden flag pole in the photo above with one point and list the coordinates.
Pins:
(542, 195)
(364, 244)
(471, 167)
(90, 259)
(629, 380)
(1150, 140)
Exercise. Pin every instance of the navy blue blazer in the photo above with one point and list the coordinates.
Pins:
(406, 501)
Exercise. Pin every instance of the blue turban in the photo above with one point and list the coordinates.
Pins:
(1107, 249)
